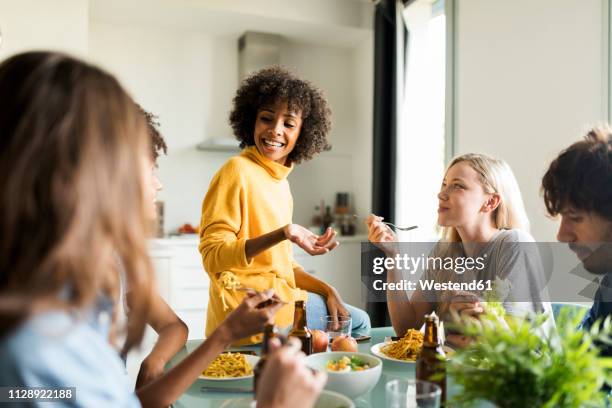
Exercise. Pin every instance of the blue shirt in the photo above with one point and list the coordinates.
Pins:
(601, 308)
(59, 349)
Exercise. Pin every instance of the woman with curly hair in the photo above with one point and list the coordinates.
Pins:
(246, 229)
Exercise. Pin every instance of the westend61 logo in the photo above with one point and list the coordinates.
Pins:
(412, 264)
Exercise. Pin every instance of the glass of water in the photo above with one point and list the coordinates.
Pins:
(411, 393)
(343, 326)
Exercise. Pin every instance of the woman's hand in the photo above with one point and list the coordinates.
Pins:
(335, 307)
(312, 243)
(464, 305)
(381, 235)
(250, 317)
(286, 381)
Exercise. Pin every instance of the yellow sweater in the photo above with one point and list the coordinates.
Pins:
(248, 197)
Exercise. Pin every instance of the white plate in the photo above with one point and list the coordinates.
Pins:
(376, 350)
(251, 359)
(327, 399)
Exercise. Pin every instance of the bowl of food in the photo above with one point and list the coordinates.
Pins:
(351, 374)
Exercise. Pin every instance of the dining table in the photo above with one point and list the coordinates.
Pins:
(197, 396)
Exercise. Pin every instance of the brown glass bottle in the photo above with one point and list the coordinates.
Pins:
(328, 219)
(299, 328)
(431, 360)
(269, 333)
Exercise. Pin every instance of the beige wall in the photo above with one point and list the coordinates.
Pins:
(60, 25)
(529, 79)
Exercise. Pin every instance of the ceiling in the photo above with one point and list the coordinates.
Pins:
(340, 23)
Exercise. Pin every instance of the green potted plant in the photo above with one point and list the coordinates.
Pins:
(511, 364)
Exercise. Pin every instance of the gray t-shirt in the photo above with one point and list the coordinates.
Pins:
(512, 257)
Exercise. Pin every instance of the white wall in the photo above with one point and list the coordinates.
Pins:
(331, 70)
(346, 76)
(363, 91)
(60, 25)
(529, 79)
(177, 76)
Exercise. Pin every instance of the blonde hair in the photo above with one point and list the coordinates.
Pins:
(495, 176)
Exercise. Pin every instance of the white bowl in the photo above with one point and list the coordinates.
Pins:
(352, 383)
(330, 399)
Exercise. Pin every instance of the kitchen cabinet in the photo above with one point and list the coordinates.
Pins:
(184, 281)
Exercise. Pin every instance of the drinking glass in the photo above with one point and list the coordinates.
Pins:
(411, 393)
(333, 330)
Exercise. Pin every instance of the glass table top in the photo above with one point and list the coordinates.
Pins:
(195, 397)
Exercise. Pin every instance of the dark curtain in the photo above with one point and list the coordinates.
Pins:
(384, 132)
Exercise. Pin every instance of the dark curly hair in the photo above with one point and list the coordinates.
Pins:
(581, 176)
(158, 144)
(275, 84)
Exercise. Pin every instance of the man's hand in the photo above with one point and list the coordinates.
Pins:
(310, 242)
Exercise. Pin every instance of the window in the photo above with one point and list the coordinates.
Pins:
(422, 137)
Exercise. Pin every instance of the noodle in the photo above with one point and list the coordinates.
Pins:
(228, 281)
(228, 365)
(405, 348)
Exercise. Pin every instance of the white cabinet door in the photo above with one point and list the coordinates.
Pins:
(189, 286)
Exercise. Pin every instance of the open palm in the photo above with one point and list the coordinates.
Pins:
(310, 242)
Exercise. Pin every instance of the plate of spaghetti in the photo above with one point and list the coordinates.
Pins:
(230, 366)
(404, 350)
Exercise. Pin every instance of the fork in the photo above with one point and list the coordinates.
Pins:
(392, 224)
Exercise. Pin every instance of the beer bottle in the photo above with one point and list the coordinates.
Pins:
(299, 328)
(269, 333)
(431, 360)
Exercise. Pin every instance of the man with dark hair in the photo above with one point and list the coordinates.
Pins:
(578, 186)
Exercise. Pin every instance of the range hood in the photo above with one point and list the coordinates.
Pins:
(256, 50)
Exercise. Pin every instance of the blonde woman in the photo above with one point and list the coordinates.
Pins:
(481, 214)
